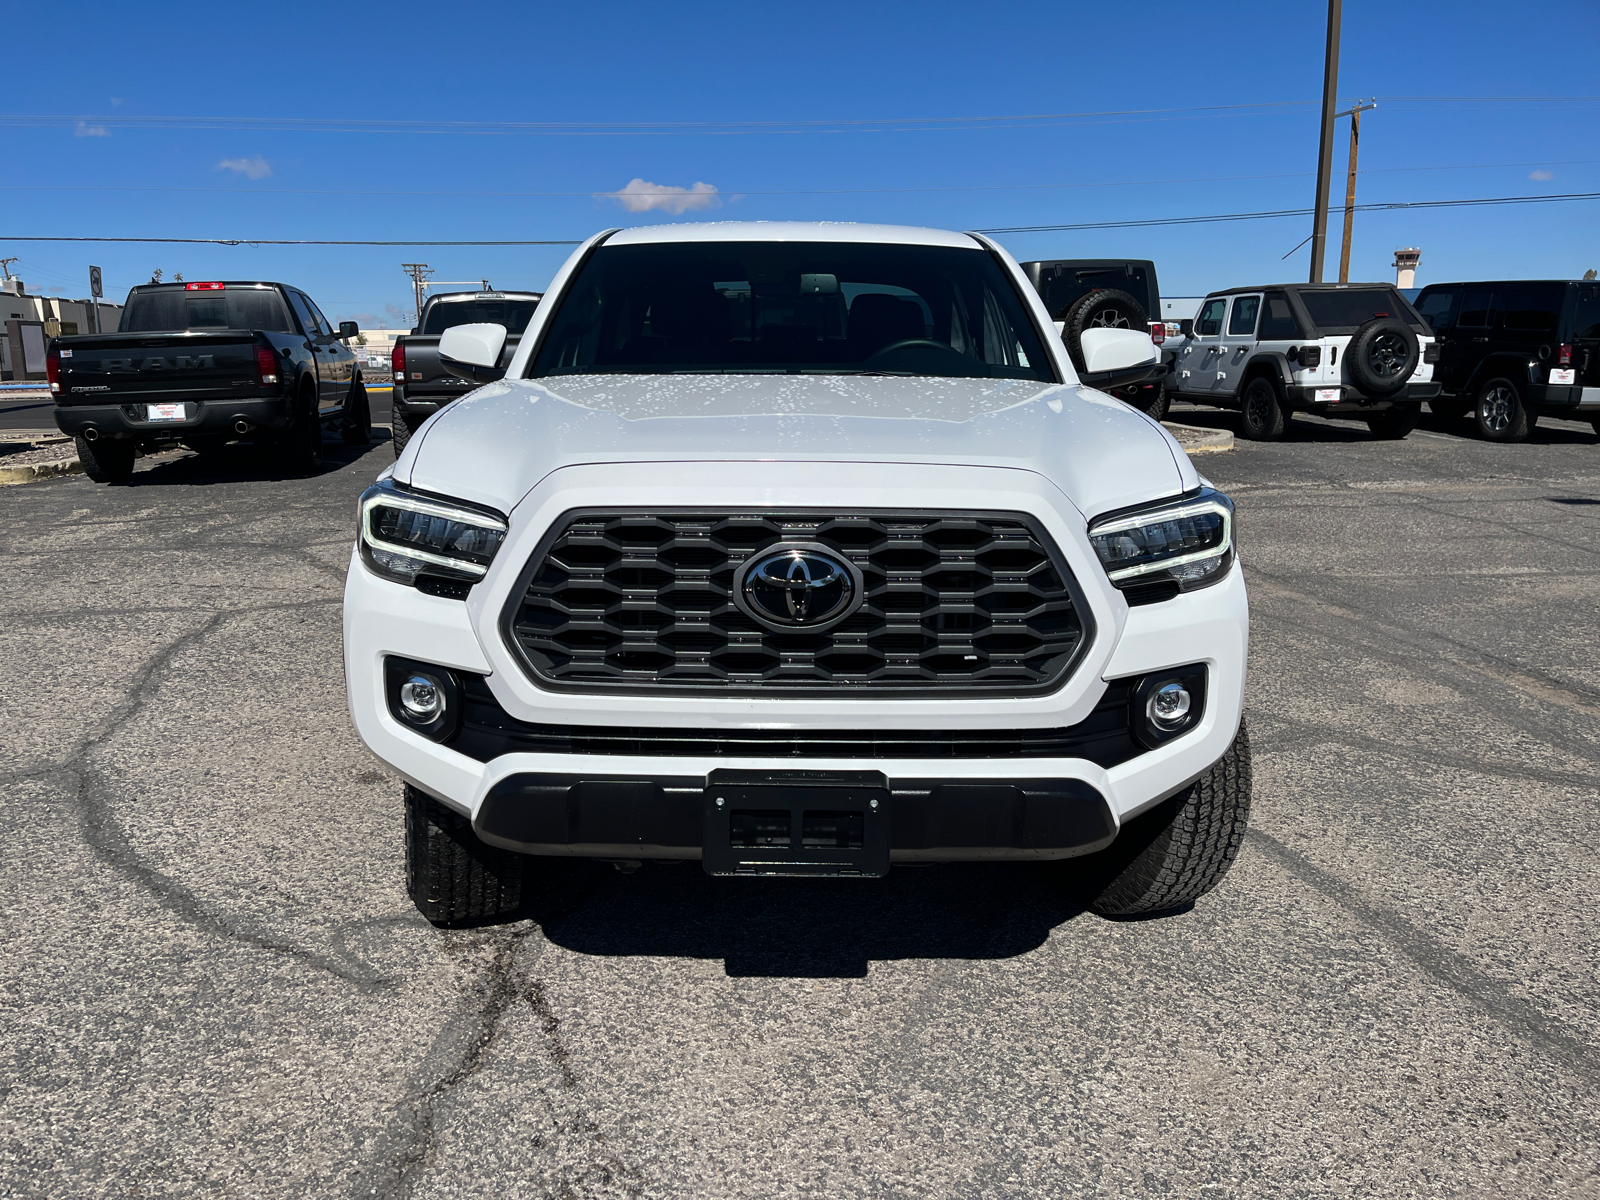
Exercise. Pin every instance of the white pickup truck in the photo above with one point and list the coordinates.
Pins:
(800, 549)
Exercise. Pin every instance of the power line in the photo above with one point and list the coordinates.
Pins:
(1146, 223)
(1291, 212)
(600, 128)
(731, 192)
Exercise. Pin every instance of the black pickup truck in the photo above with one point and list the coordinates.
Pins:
(207, 363)
(422, 386)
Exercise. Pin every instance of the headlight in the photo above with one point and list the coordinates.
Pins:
(412, 538)
(1187, 542)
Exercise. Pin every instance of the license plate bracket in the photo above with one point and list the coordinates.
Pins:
(810, 823)
(166, 412)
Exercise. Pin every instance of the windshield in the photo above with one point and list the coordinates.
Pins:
(513, 314)
(1347, 308)
(174, 309)
(792, 307)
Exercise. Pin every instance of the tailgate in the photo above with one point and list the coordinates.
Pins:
(214, 365)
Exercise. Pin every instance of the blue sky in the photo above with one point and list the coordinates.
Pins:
(309, 74)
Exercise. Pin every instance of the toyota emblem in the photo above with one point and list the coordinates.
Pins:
(798, 585)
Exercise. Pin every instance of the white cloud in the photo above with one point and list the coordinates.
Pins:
(115, 100)
(1541, 176)
(250, 168)
(85, 130)
(641, 196)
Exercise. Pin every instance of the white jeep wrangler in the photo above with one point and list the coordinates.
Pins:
(800, 550)
(1355, 350)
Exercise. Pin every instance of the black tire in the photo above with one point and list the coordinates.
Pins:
(1500, 414)
(1181, 849)
(1153, 402)
(400, 432)
(1396, 421)
(1103, 308)
(1261, 415)
(302, 442)
(1450, 408)
(106, 460)
(357, 429)
(1381, 356)
(452, 876)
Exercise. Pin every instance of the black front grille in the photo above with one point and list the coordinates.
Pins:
(488, 731)
(969, 601)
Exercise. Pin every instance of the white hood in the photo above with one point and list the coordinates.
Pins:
(493, 446)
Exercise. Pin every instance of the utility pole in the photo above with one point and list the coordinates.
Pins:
(1354, 113)
(5, 265)
(419, 272)
(1330, 89)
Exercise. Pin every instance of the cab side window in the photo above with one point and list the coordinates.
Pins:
(1476, 306)
(1209, 323)
(1436, 308)
(302, 309)
(1587, 322)
(1277, 319)
(1245, 311)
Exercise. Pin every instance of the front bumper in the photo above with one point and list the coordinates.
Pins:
(129, 419)
(639, 805)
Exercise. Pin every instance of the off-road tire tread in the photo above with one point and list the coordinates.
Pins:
(1157, 409)
(1197, 836)
(1355, 354)
(107, 460)
(1078, 313)
(400, 432)
(452, 876)
(1275, 431)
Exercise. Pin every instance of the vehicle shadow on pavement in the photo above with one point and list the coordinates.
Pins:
(242, 463)
(816, 928)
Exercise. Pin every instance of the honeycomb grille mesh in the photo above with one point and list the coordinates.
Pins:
(645, 600)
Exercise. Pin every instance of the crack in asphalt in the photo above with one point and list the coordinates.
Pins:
(464, 1043)
(103, 834)
(1570, 1051)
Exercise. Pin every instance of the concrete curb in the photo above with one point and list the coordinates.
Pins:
(1197, 440)
(44, 470)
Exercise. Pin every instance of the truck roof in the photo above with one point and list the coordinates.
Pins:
(792, 231)
(195, 285)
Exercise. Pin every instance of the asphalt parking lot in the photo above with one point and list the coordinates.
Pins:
(214, 985)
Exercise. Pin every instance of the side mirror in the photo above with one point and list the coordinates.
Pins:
(1116, 357)
(473, 350)
(348, 329)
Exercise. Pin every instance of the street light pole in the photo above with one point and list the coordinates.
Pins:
(1330, 90)
(1354, 113)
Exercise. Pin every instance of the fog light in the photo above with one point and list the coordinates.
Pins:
(423, 702)
(1169, 706)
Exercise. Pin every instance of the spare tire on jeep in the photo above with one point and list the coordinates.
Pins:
(1103, 308)
(1381, 356)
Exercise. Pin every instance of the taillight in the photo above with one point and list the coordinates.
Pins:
(1431, 352)
(52, 369)
(202, 287)
(397, 361)
(266, 366)
(1158, 332)
(1563, 357)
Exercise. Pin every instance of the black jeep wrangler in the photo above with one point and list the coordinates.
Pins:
(1514, 350)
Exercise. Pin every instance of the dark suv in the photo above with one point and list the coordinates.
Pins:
(1104, 293)
(1515, 350)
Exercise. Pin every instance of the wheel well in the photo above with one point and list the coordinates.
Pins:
(1500, 366)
